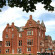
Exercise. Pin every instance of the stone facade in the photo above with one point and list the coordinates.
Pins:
(29, 39)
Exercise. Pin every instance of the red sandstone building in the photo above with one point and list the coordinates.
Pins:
(29, 39)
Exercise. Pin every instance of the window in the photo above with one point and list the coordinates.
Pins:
(41, 43)
(21, 29)
(42, 34)
(6, 35)
(28, 49)
(32, 32)
(0, 44)
(7, 50)
(20, 35)
(6, 30)
(20, 42)
(41, 49)
(12, 35)
(39, 33)
(19, 50)
(29, 42)
(7, 43)
(0, 50)
(29, 32)
(12, 50)
(30, 24)
(12, 29)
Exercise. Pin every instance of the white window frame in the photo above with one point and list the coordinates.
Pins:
(12, 50)
(7, 50)
(6, 36)
(6, 30)
(29, 42)
(30, 32)
(7, 44)
(29, 49)
(12, 29)
(12, 35)
(19, 50)
(20, 34)
(39, 33)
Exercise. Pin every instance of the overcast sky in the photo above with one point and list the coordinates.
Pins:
(16, 15)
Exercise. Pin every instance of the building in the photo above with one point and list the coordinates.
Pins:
(48, 44)
(0, 46)
(53, 46)
(29, 39)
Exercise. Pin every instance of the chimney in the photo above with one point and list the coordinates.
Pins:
(12, 23)
(7, 24)
(30, 16)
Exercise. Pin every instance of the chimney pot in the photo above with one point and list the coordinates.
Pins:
(12, 23)
(7, 24)
(30, 16)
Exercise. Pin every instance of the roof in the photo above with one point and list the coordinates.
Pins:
(48, 37)
(19, 29)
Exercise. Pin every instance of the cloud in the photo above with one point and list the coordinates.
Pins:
(50, 28)
(50, 25)
(16, 15)
(53, 3)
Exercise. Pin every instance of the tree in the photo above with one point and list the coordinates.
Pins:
(28, 5)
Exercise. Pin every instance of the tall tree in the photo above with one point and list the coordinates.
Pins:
(28, 5)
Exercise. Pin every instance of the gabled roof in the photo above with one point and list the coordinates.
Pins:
(31, 22)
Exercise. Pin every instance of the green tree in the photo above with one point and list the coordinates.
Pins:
(28, 5)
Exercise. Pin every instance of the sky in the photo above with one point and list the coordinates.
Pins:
(16, 15)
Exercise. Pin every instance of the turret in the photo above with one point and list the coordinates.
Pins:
(42, 24)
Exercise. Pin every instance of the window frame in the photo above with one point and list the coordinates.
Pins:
(29, 42)
(12, 35)
(6, 36)
(20, 43)
(7, 44)
(28, 49)
(20, 34)
(0, 50)
(30, 32)
(7, 50)
(19, 50)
